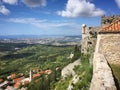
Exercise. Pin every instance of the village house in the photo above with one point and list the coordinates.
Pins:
(21, 80)
(1, 80)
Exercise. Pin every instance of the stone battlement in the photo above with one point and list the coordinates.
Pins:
(105, 20)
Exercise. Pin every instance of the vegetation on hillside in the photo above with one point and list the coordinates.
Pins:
(116, 73)
(84, 71)
(31, 57)
(44, 57)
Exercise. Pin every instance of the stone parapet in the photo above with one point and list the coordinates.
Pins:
(102, 75)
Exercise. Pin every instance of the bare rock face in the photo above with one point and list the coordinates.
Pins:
(102, 74)
(68, 70)
(73, 82)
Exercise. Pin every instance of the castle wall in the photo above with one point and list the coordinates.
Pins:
(107, 51)
(87, 39)
(109, 45)
(102, 75)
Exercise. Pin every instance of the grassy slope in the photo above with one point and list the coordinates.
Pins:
(116, 72)
(84, 71)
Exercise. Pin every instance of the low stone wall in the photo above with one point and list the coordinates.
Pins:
(102, 74)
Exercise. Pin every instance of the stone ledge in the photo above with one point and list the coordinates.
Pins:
(102, 75)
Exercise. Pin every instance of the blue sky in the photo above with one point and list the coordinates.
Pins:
(52, 17)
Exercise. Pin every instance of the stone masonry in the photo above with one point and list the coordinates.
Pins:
(107, 51)
(109, 45)
(102, 75)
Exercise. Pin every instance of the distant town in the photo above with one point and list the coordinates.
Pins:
(14, 80)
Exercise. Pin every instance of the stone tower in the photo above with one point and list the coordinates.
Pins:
(83, 30)
(30, 75)
(85, 37)
(89, 36)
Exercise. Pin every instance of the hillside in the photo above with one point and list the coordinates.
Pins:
(32, 57)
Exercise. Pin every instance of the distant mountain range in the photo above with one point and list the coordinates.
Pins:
(36, 36)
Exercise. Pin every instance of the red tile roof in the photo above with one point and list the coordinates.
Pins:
(16, 85)
(36, 75)
(17, 82)
(114, 27)
(13, 76)
(1, 80)
(17, 79)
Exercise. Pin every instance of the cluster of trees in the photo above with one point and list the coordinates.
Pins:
(11, 46)
(77, 52)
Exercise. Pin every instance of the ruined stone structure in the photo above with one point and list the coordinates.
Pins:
(109, 42)
(107, 51)
(88, 37)
(106, 20)
(85, 38)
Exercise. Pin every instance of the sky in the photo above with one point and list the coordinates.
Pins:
(53, 17)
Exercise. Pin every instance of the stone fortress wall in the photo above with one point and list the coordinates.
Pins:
(102, 74)
(109, 46)
(107, 51)
(88, 37)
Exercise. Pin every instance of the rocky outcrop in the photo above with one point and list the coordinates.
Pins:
(73, 82)
(68, 70)
(102, 74)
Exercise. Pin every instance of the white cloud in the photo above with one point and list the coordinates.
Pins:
(25, 20)
(12, 2)
(4, 10)
(34, 3)
(77, 8)
(44, 24)
(118, 3)
(29, 3)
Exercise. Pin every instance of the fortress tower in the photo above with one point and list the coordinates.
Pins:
(88, 37)
(85, 38)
